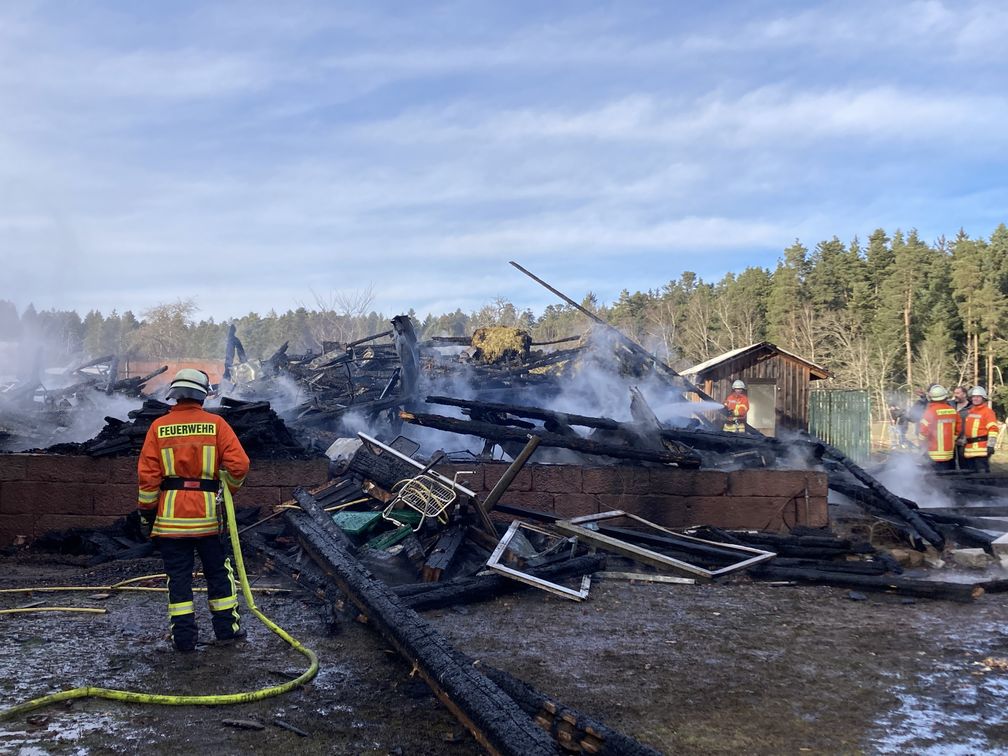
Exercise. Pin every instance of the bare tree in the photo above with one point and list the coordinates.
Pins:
(499, 312)
(164, 330)
(339, 314)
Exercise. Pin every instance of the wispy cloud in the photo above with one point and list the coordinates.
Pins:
(245, 154)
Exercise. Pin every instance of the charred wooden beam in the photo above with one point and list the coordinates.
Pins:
(932, 589)
(136, 382)
(883, 501)
(978, 510)
(384, 469)
(305, 577)
(487, 505)
(425, 596)
(316, 416)
(632, 347)
(447, 341)
(893, 503)
(493, 718)
(670, 543)
(574, 731)
(537, 413)
(832, 565)
(443, 553)
(366, 339)
(564, 340)
(964, 535)
(583, 445)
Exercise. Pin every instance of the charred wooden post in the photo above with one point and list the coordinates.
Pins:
(278, 359)
(574, 731)
(443, 553)
(113, 375)
(232, 348)
(409, 357)
(890, 501)
(584, 445)
(487, 505)
(493, 718)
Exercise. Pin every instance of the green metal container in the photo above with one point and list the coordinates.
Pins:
(842, 417)
(356, 523)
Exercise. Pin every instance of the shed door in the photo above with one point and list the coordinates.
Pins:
(763, 407)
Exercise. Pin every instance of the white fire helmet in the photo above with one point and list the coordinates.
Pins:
(739, 385)
(978, 391)
(938, 393)
(189, 384)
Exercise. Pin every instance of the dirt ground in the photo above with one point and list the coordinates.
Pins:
(696, 669)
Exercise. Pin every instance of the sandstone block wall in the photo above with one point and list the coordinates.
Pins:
(43, 492)
(774, 500)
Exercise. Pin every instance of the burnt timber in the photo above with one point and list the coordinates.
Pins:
(499, 433)
(494, 719)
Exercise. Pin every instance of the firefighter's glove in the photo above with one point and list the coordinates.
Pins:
(147, 517)
(990, 451)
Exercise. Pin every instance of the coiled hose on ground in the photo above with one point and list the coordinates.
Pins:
(166, 699)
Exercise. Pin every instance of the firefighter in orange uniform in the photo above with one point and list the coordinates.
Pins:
(938, 428)
(185, 455)
(980, 432)
(736, 407)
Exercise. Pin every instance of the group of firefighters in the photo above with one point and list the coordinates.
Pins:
(958, 431)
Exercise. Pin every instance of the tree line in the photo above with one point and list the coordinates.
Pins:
(890, 315)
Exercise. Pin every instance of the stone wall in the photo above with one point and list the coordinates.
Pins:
(773, 500)
(43, 492)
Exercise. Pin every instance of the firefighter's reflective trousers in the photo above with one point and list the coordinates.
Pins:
(178, 555)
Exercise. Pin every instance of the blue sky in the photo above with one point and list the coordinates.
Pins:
(258, 156)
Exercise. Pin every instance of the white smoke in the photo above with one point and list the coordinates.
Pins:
(908, 474)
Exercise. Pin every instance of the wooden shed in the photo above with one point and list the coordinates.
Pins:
(778, 383)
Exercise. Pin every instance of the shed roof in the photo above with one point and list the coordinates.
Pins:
(754, 350)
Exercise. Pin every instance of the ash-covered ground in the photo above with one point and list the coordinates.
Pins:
(704, 669)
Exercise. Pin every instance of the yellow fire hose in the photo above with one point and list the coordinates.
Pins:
(209, 700)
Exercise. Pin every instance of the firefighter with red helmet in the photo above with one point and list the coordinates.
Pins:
(736, 408)
(186, 454)
(980, 432)
(938, 428)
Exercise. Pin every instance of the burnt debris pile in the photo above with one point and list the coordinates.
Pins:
(263, 434)
(42, 409)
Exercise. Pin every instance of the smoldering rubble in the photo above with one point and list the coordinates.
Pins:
(396, 530)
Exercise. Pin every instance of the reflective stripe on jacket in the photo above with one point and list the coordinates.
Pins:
(188, 442)
(939, 426)
(981, 424)
(737, 405)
